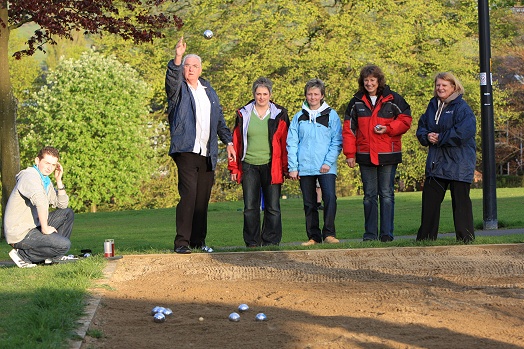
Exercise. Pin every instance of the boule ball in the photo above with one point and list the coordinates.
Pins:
(159, 317)
(261, 317)
(208, 34)
(243, 307)
(234, 317)
(167, 312)
(155, 310)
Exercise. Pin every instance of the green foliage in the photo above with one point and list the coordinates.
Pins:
(292, 41)
(94, 110)
(24, 72)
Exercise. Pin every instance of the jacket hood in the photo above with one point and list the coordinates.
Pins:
(313, 114)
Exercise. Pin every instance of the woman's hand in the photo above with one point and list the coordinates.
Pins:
(294, 175)
(380, 129)
(350, 162)
(433, 137)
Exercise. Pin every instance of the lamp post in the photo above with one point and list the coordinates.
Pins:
(489, 179)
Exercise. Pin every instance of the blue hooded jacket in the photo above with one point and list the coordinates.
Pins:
(314, 138)
(454, 156)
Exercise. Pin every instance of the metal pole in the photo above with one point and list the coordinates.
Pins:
(489, 180)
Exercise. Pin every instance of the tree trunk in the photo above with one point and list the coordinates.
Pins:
(9, 151)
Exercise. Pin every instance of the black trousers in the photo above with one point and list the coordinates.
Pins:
(195, 180)
(432, 197)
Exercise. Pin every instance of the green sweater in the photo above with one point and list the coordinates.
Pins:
(258, 151)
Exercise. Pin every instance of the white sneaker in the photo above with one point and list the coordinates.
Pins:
(19, 261)
(207, 249)
(65, 259)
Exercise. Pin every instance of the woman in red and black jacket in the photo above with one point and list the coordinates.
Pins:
(374, 122)
(259, 137)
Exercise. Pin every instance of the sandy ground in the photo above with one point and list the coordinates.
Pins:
(433, 297)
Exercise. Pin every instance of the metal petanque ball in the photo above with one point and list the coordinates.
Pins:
(234, 317)
(167, 312)
(243, 307)
(155, 310)
(261, 317)
(159, 317)
(208, 34)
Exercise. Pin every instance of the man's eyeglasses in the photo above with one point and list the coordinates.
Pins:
(194, 66)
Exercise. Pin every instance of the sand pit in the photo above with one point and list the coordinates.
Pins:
(432, 297)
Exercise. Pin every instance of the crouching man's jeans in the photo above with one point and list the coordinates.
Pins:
(37, 247)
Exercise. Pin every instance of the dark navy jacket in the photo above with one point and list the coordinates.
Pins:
(181, 115)
(454, 156)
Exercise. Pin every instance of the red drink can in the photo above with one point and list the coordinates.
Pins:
(109, 248)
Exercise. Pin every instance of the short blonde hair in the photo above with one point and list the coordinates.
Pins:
(448, 76)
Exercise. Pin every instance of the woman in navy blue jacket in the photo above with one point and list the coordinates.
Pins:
(448, 128)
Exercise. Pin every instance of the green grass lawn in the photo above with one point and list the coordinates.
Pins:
(40, 306)
(152, 231)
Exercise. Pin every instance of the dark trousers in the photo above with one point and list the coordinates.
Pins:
(432, 197)
(195, 180)
(308, 186)
(37, 247)
(255, 178)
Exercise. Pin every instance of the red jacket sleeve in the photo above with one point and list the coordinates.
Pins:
(349, 140)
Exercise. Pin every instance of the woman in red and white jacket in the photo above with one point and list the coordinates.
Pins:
(259, 137)
(374, 122)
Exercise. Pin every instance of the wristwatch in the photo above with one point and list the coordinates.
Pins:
(63, 188)
(230, 143)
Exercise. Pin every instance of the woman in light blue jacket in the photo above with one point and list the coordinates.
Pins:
(314, 142)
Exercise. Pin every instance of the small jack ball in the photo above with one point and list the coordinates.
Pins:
(208, 34)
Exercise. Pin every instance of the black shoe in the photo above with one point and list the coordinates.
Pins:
(183, 250)
(386, 238)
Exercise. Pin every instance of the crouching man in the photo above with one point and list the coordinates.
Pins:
(36, 234)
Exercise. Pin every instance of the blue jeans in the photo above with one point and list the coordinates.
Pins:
(378, 181)
(37, 247)
(256, 180)
(309, 195)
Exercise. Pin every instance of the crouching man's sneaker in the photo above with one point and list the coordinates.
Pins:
(59, 260)
(19, 261)
(66, 259)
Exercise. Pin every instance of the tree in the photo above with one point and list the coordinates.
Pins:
(293, 41)
(131, 19)
(95, 111)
